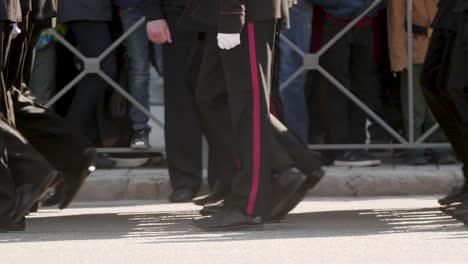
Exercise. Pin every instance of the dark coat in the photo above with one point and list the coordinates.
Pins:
(89, 10)
(10, 10)
(209, 15)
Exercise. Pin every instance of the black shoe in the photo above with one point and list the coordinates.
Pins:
(53, 198)
(104, 162)
(228, 220)
(73, 183)
(35, 208)
(29, 194)
(182, 195)
(356, 159)
(215, 196)
(211, 209)
(415, 158)
(457, 196)
(140, 139)
(310, 183)
(285, 187)
(444, 157)
(18, 226)
(461, 211)
(451, 210)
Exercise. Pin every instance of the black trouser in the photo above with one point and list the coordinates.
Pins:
(351, 61)
(87, 110)
(448, 104)
(233, 99)
(183, 134)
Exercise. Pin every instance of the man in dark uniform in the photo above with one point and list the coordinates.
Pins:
(181, 59)
(445, 81)
(25, 174)
(232, 96)
(9, 13)
(47, 132)
(184, 150)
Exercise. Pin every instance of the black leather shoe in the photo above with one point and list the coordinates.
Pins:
(73, 183)
(461, 211)
(211, 209)
(29, 194)
(53, 199)
(228, 220)
(285, 187)
(215, 196)
(182, 196)
(35, 208)
(310, 183)
(19, 226)
(457, 196)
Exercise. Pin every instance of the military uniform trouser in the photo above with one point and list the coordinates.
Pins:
(448, 104)
(233, 99)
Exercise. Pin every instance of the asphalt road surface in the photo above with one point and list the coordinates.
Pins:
(381, 230)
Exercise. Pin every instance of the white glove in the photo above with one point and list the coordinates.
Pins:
(228, 41)
(15, 31)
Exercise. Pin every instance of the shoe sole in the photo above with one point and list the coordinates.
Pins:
(91, 158)
(366, 163)
(246, 227)
(455, 199)
(40, 192)
(133, 146)
(207, 199)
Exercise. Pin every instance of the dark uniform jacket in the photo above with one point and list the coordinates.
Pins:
(10, 10)
(224, 16)
(89, 10)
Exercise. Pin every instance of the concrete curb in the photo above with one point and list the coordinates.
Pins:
(386, 180)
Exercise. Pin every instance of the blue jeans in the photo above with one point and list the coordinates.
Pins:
(138, 48)
(294, 101)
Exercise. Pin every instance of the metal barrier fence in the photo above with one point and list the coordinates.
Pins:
(310, 62)
(92, 66)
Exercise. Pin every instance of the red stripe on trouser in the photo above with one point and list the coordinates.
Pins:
(256, 120)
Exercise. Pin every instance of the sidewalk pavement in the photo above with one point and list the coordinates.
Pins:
(385, 180)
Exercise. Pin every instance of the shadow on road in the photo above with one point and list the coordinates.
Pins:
(173, 227)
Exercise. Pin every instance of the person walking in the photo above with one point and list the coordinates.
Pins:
(444, 82)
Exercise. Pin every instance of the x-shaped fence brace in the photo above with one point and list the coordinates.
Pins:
(310, 62)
